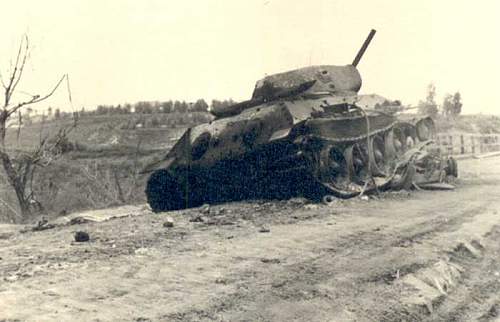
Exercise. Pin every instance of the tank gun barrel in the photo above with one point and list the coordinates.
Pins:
(362, 50)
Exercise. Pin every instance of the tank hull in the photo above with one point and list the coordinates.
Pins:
(289, 149)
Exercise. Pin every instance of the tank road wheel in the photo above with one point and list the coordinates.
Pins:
(410, 142)
(425, 129)
(411, 137)
(331, 171)
(399, 141)
(390, 149)
(164, 193)
(332, 165)
(378, 155)
(451, 167)
(405, 138)
(357, 163)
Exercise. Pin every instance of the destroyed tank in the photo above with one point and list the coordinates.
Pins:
(301, 134)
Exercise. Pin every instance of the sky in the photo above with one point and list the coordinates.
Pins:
(118, 51)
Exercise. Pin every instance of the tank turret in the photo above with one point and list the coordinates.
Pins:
(335, 80)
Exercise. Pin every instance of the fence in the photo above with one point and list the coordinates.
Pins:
(456, 144)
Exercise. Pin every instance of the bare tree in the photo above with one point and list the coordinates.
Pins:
(429, 106)
(452, 104)
(19, 166)
(447, 106)
(107, 187)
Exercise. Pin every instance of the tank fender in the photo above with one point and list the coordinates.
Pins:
(280, 134)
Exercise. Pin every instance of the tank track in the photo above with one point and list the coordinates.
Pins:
(387, 158)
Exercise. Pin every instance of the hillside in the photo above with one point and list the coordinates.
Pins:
(102, 168)
(154, 131)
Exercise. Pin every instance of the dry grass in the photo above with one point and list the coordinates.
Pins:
(101, 168)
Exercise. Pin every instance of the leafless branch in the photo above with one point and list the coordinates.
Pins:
(101, 180)
(20, 123)
(20, 167)
(1, 80)
(36, 98)
(17, 72)
(23, 63)
(8, 206)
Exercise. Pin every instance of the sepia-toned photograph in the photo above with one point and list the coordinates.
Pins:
(249, 160)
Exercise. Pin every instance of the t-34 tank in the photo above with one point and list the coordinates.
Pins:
(301, 133)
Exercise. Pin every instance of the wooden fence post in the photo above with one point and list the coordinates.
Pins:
(450, 147)
(473, 147)
(462, 146)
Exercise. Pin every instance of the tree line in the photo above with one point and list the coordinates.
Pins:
(30, 115)
(148, 107)
(451, 106)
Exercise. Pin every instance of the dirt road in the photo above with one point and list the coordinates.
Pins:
(424, 255)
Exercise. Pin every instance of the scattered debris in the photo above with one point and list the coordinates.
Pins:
(169, 223)
(101, 215)
(225, 222)
(218, 222)
(493, 312)
(141, 251)
(279, 284)
(311, 206)
(197, 218)
(221, 280)
(79, 220)
(43, 225)
(211, 222)
(219, 212)
(11, 278)
(436, 186)
(297, 201)
(270, 260)
(142, 319)
(264, 230)
(205, 209)
(81, 236)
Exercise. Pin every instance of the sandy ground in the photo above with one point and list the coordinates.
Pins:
(419, 256)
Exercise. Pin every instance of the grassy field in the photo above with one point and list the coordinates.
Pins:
(110, 150)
